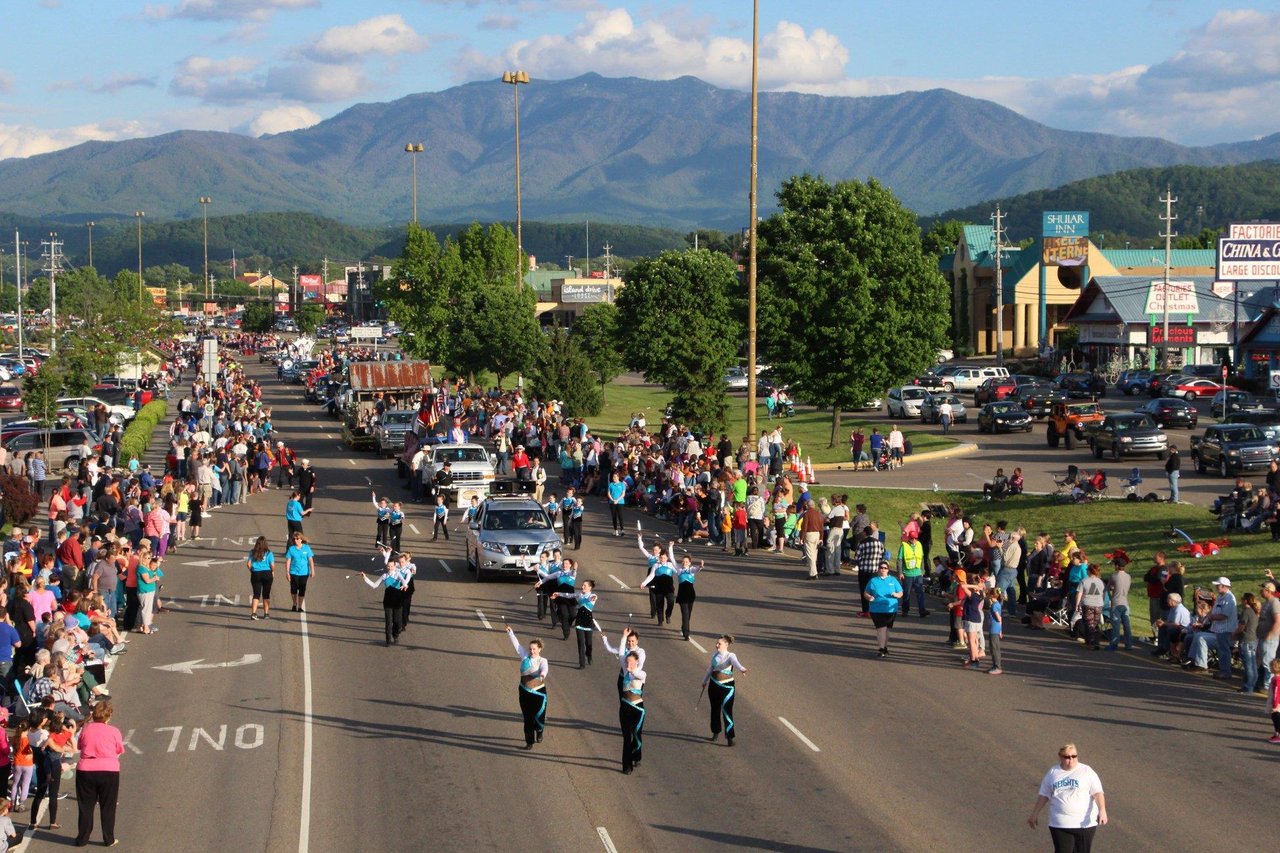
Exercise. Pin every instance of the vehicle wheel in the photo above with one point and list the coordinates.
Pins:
(1200, 469)
(1052, 436)
(1068, 439)
(1097, 451)
(949, 387)
(471, 566)
(1116, 453)
(1132, 392)
(1190, 396)
(1222, 468)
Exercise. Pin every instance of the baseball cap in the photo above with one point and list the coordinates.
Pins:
(1223, 581)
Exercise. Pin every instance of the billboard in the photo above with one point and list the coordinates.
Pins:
(585, 293)
(1065, 251)
(310, 282)
(1064, 223)
(1250, 252)
(1181, 298)
(1179, 336)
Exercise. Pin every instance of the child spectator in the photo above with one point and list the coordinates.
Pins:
(995, 628)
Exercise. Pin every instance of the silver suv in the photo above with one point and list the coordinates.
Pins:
(392, 427)
(507, 535)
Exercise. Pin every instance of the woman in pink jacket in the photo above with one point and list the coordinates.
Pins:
(98, 774)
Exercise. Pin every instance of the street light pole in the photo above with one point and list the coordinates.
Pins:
(90, 225)
(139, 214)
(414, 149)
(516, 78)
(205, 201)
(751, 230)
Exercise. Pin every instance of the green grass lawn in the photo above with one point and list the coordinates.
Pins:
(812, 429)
(1139, 528)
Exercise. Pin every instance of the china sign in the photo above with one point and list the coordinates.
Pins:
(1250, 252)
(1181, 298)
(1064, 223)
(1179, 336)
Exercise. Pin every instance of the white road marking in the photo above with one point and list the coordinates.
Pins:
(304, 826)
(445, 566)
(799, 734)
(694, 643)
(606, 840)
(414, 528)
(328, 436)
(352, 461)
(484, 621)
(188, 667)
(619, 582)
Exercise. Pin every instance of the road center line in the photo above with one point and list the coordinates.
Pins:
(694, 643)
(606, 840)
(445, 566)
(799, 734)
(352, 461)
(619, 582)
(304, 825)
(414, 528)
(484, 621)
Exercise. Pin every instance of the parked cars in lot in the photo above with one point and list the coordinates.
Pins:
(1160, 383)
(1128, 435)
(1267, 420)
(1232, 449)
(905, 402)
(1004, 416)
(993, 389)
(1069, 422)
(1192, 389)
(736, 379)
(507, 535)
(932, 403)
(1080, 386)
(10, 398)
(1133, 382)
(1038, 399)
(935, 378)
(968, 378)
(1170, 412)
(1226, 402)
(63, 446)
(120, 413)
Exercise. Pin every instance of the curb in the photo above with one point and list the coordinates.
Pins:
(963, 449)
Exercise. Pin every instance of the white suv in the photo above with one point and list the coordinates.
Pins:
(969, 378)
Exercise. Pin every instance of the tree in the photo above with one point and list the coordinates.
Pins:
(1206, 239)
(942, 237)
(418, 295)
(41, 390)
(258, 317)
(563, 372)
(308, 317)
(849, 303)
(596, 331)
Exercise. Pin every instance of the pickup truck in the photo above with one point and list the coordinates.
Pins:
(1129, 435)
(1232, 449)
(392, 427)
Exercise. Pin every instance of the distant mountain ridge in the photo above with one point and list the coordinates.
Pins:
(667, 153)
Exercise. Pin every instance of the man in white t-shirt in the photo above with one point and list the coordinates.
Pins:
(1077, 806)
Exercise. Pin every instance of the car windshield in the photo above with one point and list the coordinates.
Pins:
(1132, 422)
(460, 454)
(1083, 409)
(1004, 408)
(1242, 433)
(914, 393)
(399, 417)
(516, 519)
(939, 399)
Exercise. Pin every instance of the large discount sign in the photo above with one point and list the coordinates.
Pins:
(1250, 252)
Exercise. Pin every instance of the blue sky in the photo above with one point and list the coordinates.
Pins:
(72, 70)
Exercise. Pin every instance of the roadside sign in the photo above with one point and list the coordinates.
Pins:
(1250, 252)
(366, 333)
(1223, 289)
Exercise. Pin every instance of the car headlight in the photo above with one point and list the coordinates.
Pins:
(494, 547)
(1162, 437)
(1124, 439)
(1233, 452)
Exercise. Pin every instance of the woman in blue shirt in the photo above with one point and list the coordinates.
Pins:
(617, 497)
(293, 514)
(302, 565)
(261, 563)
(883, 592)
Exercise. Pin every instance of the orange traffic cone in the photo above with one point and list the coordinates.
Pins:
(808, 462)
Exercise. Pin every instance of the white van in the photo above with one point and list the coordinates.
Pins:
(969, 378)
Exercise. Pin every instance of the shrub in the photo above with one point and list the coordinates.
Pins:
(137, 435)
(20, 503)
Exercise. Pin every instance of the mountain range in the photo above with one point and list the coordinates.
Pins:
(666, 153)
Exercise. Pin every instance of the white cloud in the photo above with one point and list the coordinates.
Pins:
(225, 10)
(26, 141)
(217, 80)
(612, 42)
(280, 120)
(109, 86)
(311, 82)
(6, 82)
(384, 35)
(500, 22)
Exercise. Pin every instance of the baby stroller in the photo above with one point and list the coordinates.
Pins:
(1068, 482)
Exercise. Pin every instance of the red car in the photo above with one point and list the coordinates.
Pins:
(10, 398)
(994, 389)
(1190, 389)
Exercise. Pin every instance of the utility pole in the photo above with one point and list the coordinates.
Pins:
(139, 214)
(588, 248)
(293, 296)
(205, 201)
(17, 281)
(568, 259)
(608, 262)
(90, 225)
(998, 231)
(1169, 216)
(751, 233)
(52, 256)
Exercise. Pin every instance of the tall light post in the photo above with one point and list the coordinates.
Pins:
(90, 225)
(139, 214)
(515, 78)
(751, 228)
(205, 201)
(414, 149)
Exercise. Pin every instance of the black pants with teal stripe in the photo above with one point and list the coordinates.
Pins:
(631, 720)
(722, 708)
(533, 706)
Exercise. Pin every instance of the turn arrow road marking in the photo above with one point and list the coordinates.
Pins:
(188, 667)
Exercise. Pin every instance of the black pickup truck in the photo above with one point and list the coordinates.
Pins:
(1232, 449)
(1128, 435)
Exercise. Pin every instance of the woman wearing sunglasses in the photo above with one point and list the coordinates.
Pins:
(1077, 806)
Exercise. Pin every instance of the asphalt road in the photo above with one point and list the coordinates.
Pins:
(418, 746)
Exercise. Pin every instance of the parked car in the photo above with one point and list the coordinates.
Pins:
(736, 379)
(1080, 386)
(120, 413)
(63, 446)
(1170, 412)
(904, 402)
(1192, 389)
(10, 398)
(1038, 400)
(1004, 416)
(1226, 402)
(1129, 435)
(930, 405)
(993, 389)
(1133, 382)
(1267, 420)
(1159, 383)
(935, 377)
(1232, 449)
(968, 377)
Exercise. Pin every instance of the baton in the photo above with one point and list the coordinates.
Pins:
(700, 695)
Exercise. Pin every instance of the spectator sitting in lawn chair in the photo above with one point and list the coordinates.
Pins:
(1171, 627)
(1090, 490)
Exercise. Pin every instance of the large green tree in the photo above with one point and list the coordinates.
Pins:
(678, 324)
(563, 372)
(308, 317)
(417, 293)
(258, 317)
(849, 303)
(596, 332)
